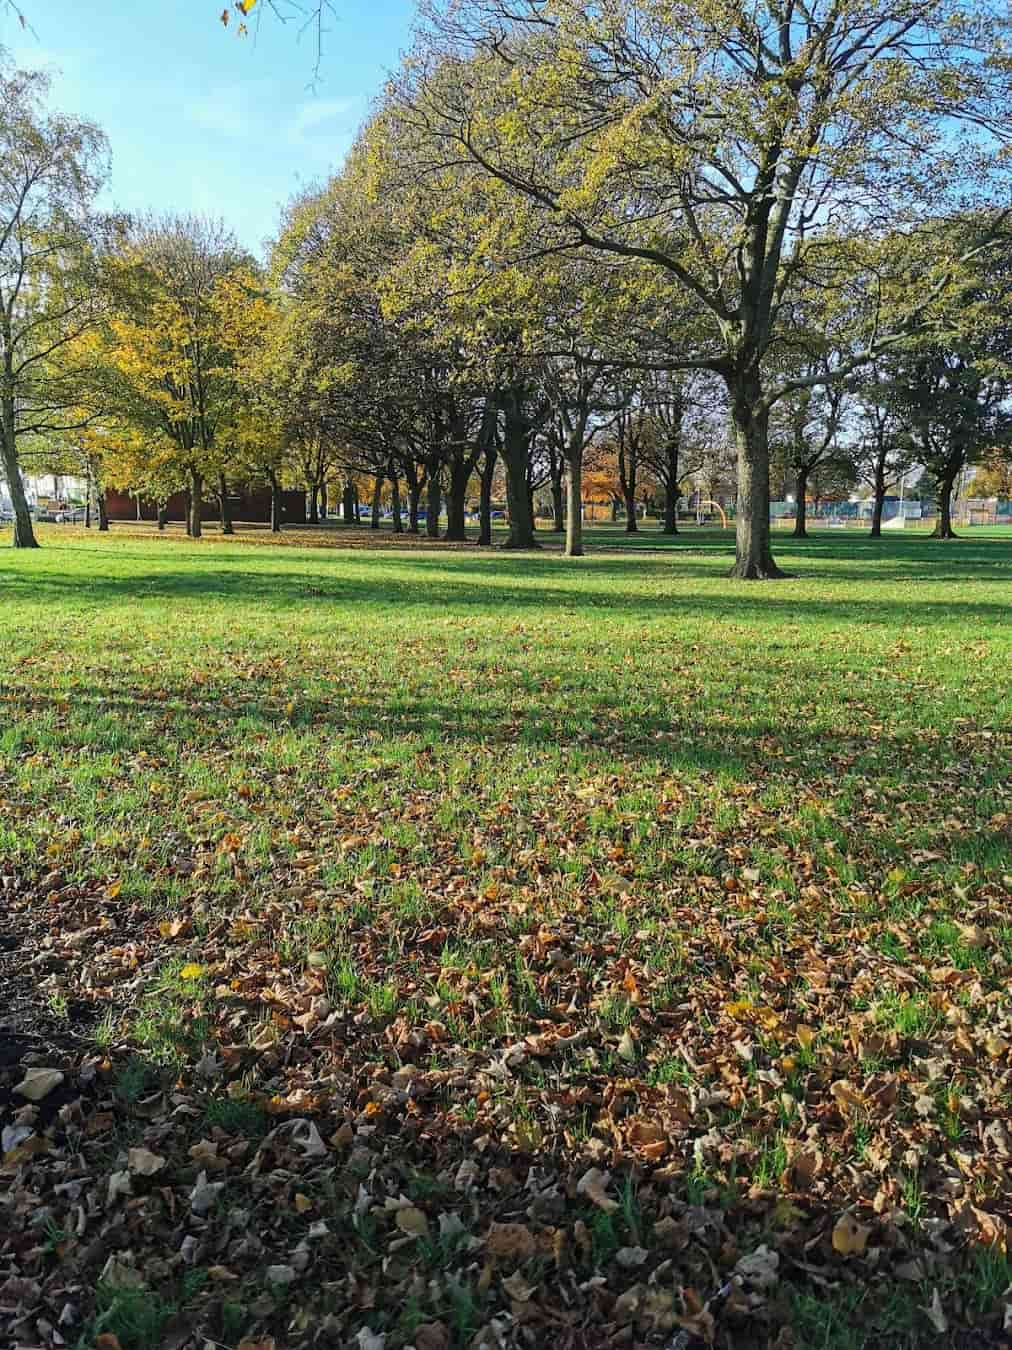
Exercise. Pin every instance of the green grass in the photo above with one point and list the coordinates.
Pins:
(500, 794)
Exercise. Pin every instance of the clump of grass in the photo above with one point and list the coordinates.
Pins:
(236, 1115)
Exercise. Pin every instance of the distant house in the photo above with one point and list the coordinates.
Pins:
(250, 506)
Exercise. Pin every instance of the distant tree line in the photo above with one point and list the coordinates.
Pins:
(626, 240)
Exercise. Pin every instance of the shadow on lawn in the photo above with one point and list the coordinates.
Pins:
(510, 583)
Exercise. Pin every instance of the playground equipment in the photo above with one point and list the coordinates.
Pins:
(717, 506)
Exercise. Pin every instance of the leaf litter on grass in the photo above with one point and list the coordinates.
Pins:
(463, 1046)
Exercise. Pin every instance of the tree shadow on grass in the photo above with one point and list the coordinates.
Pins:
(515, 585)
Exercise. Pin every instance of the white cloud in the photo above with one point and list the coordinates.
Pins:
(319, 112)
(222, 110)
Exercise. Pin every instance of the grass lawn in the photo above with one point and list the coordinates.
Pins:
(606, 920)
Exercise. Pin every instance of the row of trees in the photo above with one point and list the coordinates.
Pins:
(640, 230)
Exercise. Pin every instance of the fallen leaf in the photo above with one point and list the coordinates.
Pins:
(432, 1336)
(760, 1268)
(412, 1221)
(593, 1184)
(847, 1096)
(850, 1238)
(518, 1289)
(935, 1315)
(39, 1083)
(510, 1241)
(143, 1163)
(631, 1257)
(371, 1340)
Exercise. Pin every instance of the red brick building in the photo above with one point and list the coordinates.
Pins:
(247, 505)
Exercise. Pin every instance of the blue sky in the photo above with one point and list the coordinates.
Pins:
(201, 120)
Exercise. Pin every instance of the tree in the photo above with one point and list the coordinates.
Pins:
(809, 423)
(954, 409)
(882, 453)
(532, 342)
(51, 245)
(743, 148)
(170, 346)
(668, 401)
(631, 431)
(994, 477)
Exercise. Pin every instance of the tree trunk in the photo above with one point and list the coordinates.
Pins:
(433, 504)
(103, 514)
(943, 525)
(631, 525)
(377, 502)
(670, 522)
(754, 559)
(558, 505)
(163, 515)
(88, 495)
(226, 513)
(275, 505)
(614, 510)
(314, 504)
(801, 504)
(515, 451)
(187, 513)
(196, 491)
(456, 501)
(574, 504)
(348, 514)
(395, 502)
(876, 513)
(485, 506)
(323, 501)
(414, 500)
(24, 534)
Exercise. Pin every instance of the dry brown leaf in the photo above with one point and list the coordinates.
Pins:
(594, 1185)
(143, 1163)
(412, 1221)
(847, 1096)
(510, 1241)
(39, 1083)
(432, 1336)
(518, 1288)
(850, 1238)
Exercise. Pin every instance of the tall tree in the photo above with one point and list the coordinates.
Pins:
(51, 243)
(882, 453)
(170, 344)
(721, 141)
(808, 425)
(955, 411)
